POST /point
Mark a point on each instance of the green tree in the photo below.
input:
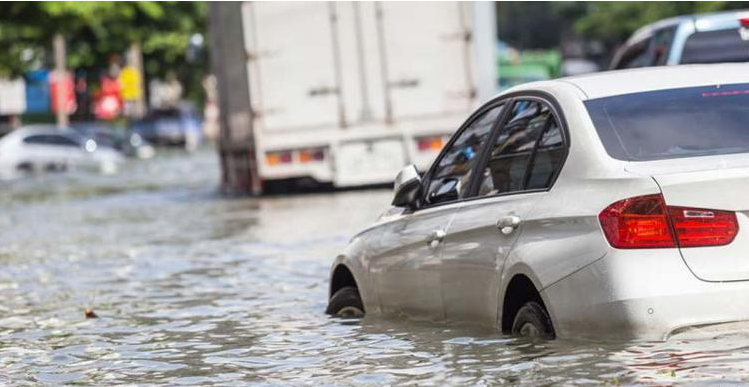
(95, 31)
(612, 22)
(534, 25)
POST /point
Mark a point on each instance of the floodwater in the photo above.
(191, 288)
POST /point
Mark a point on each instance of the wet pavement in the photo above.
(195, 289)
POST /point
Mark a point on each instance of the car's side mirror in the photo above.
(407, 187)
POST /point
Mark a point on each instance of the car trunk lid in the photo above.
(713, 189)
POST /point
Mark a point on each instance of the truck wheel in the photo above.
(533, 321)
(346, 302)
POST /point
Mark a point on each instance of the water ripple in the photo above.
(193, 289)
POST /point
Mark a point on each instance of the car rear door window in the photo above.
(526, 153)
(663, 39)
(36, 140)
(548, 156)
(450, 177)
(636, 55)
(50, 139)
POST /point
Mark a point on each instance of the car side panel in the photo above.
(474, 254)
(407, 268)
(561, 234)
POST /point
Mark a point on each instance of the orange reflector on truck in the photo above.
(275, 158)
(302, 156)
(309, 155)
(429, 143)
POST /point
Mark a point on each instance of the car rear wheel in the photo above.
(533, 321)
(346, 302)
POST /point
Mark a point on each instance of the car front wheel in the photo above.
(533, 321)
(346, 302)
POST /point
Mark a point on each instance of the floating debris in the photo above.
(89, 313)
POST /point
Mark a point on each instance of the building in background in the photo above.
(12, 103)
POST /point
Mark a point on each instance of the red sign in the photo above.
(66, 88)
(108, 103)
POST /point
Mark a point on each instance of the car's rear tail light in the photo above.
(647, 222)
(744, 21)
(429, 143)
(275, 158)
(635, 223)
(699, 227)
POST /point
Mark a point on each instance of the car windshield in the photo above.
(674, 123)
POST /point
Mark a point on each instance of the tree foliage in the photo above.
(612, 22)
(543, 24)
(94, 31)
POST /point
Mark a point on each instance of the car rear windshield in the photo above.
(716, 46)
(673, 123)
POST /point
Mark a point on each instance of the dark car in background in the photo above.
(131, 144)
(706, 38)
(174, 126)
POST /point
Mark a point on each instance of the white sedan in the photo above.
(606, 205)
(44, 148)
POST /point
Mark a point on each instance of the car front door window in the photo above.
(450, 178)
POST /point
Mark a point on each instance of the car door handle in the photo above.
(508, 224)
(435, 237)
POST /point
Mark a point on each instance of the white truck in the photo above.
(346, 93)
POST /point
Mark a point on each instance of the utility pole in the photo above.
(60, 74)
(229, 60)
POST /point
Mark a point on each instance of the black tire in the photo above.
(533, 321)
(346, 302)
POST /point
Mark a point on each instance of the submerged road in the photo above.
(191, 288)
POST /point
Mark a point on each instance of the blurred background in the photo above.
(130, 76)
(186, 171)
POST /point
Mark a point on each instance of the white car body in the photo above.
(451, 262)
(43, 148)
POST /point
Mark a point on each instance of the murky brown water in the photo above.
(195, 289)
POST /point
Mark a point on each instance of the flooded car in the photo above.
(45, 148)
(601, 206)
(129, 143)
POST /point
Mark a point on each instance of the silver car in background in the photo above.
(705, 38)
(611, 205)
(46, 148)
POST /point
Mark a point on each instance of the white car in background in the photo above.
(45, 148)
(606, 205)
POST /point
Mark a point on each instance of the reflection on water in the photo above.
(195, 289)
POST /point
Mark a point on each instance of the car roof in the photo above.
(618, 82)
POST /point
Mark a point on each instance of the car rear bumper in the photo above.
(641, 294)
